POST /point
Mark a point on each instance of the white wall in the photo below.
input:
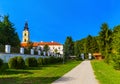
(6, 57)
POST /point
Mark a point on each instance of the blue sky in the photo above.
(53, 20)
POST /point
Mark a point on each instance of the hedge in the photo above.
(16, 63)
(1, 63)
(31, 62)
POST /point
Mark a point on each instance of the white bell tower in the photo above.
(26, 34)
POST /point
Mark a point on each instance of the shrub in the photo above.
(40, 61)
(20, 63)
(31, 62)
(46, 61)
(3, 67)
(52, 60)
(16, 63)
(59, 59)
(117, 62)
(1, 63)
(12, 63)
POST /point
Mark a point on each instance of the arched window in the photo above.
(25, 34)
(24, 40)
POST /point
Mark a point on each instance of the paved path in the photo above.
(82, 74)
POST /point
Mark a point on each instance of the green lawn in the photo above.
(37, 75)
(105, 73)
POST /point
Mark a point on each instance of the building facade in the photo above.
(54, 47)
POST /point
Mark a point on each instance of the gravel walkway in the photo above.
(82, 74)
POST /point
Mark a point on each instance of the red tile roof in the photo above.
(40, 43)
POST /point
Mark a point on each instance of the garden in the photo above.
(34, 71)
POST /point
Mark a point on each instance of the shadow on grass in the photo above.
(13, 71)
(33, 68)
(7, 80)
(50, 66)
(40, 67)
(31, 80)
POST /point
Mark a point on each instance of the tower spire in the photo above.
(26, 33)
(26, 26)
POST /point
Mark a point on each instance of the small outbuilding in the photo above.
(97, 56)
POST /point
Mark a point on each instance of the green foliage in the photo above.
(12, 63)
(8, 34)
(3, 67)
(117, 62)
(15, 49)
(68, 48)
(78, 58)
(105, 73)
(46, 61)
(95, 45)
(105, 38)
(50, 60)
(16, 63)
(40, 61)
(2, 48)
(46, 48)
(116, 40)
(87, 45)
(109, 58)
(56, 51)
(53, 60)
(1, 63)
(37, 75)
(20, 63)
(27, 51)
(31, 62)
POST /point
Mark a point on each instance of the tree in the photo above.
(29, 45)
(8, 34)
(68, 48)
(95, 45)
(56, 51)
(105, 39)
(46, 48)
(79, 47)
(116, 40)
(89, 46)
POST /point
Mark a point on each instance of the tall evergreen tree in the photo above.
(95, 45)
(68, 48)
(77, 48)
(8, 34)
(105, 40)
(89, 46)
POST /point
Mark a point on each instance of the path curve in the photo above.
(82, 74)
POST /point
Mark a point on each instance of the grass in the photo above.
(37, 75)
(105, 73)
